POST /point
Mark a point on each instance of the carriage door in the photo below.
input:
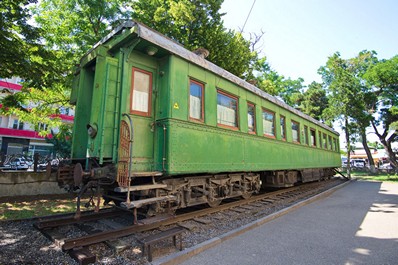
(142, 112)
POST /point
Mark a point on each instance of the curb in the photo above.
(187, 253)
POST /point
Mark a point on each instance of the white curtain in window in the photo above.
(268, 127)
(140, 101)
(250, 122)
(195, 107)
(141, 88)
(226, 116)
(312, 139)
(295, 135)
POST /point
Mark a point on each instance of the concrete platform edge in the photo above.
(185, 254)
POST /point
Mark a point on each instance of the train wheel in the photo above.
(246, 195)
(214, 203)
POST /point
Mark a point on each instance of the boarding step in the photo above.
(141, 187)
(146, 174)
(143, 202)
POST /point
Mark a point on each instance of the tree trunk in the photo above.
(391, 155)
(347, 138)
(387, 145)
(372, 167)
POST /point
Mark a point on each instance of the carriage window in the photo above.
(313, 137)
(335, 144)
(268, 123)
(141, 92)
(330, 142)
(227, 110)
(251, 118)
(306, 134)
(283, 127)
(296, 131)
(196, 100)
(320, 139)
(324, 141)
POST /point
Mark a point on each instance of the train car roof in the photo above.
(175, 48)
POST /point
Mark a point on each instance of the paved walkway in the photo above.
(357, 224)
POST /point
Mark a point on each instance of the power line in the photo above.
(248, 15)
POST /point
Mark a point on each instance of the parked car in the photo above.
(18, 163)
(385, 166)
(359, 163)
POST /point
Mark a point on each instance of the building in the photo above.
(19, 138)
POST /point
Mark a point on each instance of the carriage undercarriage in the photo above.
(152, 193)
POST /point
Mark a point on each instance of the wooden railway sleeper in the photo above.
(149, 240)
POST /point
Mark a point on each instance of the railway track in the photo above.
(254, 207)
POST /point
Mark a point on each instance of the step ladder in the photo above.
(151, 174)
(134, 205)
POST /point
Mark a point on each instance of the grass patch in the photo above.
(381, 176)
(34, 207)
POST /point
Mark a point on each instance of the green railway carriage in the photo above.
(158, 123)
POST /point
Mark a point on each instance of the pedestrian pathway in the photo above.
(357, 224)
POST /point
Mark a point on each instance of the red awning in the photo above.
(10, 85)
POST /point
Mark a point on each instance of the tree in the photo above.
(61, 141)
(383, 77)
(198, 24)
(268, 80)
(21, 50)
(74, 26)
(66, 30)
(343, 88)
(314, 101)
(23, 54)
(357, 96)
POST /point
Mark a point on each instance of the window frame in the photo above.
(313, 130)
(137, 112)
(273, 123)
(18, 125)
(320, 139)
(283, 137)
(298, 132)
(15, 124)
(254, 118)
(336, 144)
(306, 139)
(236, 112)
(202, 113)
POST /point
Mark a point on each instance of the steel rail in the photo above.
(126, 231)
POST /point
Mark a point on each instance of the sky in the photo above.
(300, 35)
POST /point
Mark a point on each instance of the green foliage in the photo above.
(74, 26)
(198, 24)
(348, 96)
(38, 107)
(21, 50)
(61, 140)
(383, 77)
(314, 101)
(45, 55)
(290, 91)
(357, 89)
